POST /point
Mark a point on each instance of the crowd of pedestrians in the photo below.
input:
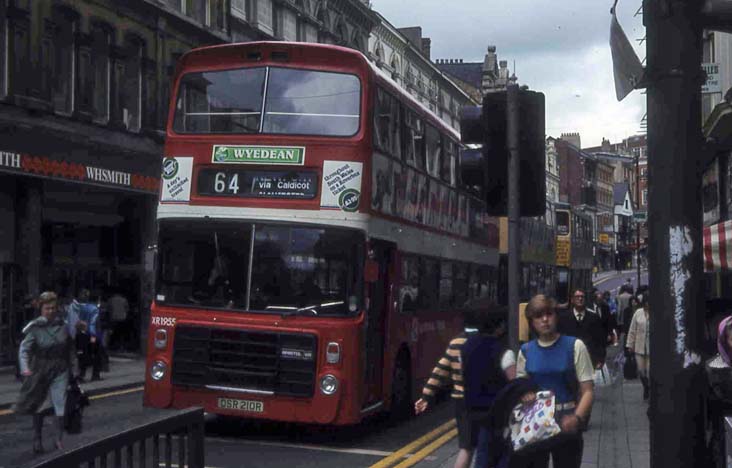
(566, 355)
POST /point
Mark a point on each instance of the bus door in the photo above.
(375, 323)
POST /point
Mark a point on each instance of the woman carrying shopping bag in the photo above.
(638, 343)
(561, 364)
(47, 357)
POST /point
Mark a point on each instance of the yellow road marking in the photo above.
(5, 412)
(427, 449)
(118, 392)
(409, 448)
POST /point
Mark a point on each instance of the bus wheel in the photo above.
(401, 390)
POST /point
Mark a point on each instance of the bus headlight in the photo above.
(158, 369)
(161, 338)
(328, 384)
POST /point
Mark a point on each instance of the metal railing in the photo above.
(141, 447)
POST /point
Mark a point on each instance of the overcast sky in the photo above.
(561, 48)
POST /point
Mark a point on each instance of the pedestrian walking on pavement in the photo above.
(449, 373)
(584, 324)
(638, 343)
(91, 340)
(47, 359)
(562, 364)
(623, 301)
(633, 305)
(719, 376)
(119, 311)
(487, 366)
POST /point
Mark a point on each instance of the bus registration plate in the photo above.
(250, 406)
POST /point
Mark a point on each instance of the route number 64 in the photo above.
(220, 183)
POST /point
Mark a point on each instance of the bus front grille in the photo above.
(264, 362)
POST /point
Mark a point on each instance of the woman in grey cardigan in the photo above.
(47, 357)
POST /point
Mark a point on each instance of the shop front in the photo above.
(75, 216)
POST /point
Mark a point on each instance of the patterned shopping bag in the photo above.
(534, 421)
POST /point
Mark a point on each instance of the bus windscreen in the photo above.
(294, 101)
(308, 270)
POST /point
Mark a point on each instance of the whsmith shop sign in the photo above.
(41, 166)
(280, 155)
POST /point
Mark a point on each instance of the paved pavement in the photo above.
(618, 435)
(124, 373)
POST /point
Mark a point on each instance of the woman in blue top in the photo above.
(561, 364)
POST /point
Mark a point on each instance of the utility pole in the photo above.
(673, 78)
(514, 211)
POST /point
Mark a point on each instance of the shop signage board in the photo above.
(713, 83)
(42, 166)
(563, 252)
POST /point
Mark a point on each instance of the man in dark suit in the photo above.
(581, 322)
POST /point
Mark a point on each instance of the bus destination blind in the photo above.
(246, 183)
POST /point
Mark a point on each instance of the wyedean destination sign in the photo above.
(280, 155)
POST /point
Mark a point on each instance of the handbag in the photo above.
(533, 422)
(76, 401)
(630, 368)
(602, 377)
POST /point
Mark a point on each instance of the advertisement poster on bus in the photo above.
(382, 190)
(341, 185)
(177, 173)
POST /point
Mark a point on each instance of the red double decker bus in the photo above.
(315, 245)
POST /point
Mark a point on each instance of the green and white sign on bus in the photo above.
(273, 155)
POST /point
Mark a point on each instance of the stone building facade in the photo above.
(84, 89)
(552, 179)
(405, 56)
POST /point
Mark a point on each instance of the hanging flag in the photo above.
(718, 247)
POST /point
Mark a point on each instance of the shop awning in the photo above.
(718, 247)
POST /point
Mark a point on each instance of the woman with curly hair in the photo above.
(47, 358)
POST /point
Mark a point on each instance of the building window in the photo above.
(644, 200)
(101, 70)
(240, 9)
(215, 16)
(131, 102)
(5, 51)
(64, 64)
(20, 77)
(264, 15)
(434, 151)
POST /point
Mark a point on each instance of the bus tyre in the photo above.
(401, 390)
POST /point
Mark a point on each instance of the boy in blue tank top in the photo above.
(559, 363)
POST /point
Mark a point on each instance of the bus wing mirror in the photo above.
(371, 271)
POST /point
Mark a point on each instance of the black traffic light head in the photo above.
(494, 156)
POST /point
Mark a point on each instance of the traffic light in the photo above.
(487, 167)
